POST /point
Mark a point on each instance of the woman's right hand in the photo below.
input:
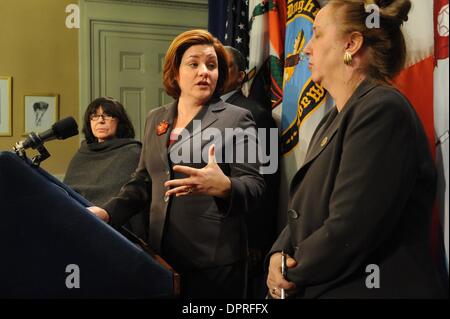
(209, 180)
(275, 279)
(100, 213)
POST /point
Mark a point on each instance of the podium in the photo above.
(51, 246)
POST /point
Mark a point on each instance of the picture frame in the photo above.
(41, 111)
(5, 106)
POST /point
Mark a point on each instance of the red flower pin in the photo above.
(162, 128)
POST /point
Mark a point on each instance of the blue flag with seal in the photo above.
(301, 96)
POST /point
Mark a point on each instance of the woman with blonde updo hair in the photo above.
(360, 206)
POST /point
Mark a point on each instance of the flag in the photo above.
(277, 29)
(416, 81)
(441, 105)
(440, 21)
(304, 102)
(236, 26)
(302, 97)
(216, 18)
(266, 25)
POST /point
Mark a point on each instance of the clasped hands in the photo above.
(275, 278)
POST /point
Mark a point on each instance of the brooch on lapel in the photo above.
(162, 128)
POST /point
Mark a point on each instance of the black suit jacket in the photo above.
(261, 116)
(261, 223)
(363, 197)
(191, 232)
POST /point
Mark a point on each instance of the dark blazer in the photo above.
(363, 196)
(262, 223)
(261, 116)
(191, 232)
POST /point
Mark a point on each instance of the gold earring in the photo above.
(348, 58)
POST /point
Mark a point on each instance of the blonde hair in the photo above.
(385, 45)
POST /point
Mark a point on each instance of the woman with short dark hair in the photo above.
(107, 157)
(114, 111)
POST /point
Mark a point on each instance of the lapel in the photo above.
(207, 116)
(322, 139)
(234, 97)
(161, 140)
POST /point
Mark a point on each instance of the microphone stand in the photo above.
(43, 155)
(37, 159)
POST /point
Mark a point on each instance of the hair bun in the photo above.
(395, 11)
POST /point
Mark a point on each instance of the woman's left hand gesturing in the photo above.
(209, 180)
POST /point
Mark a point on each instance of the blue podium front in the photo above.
(50, 244)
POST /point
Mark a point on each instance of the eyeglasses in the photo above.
(105, 117)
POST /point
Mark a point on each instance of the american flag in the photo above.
(237, 30)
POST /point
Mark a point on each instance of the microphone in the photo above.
(61, 130)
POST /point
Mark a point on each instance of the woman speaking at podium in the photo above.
(196, 208)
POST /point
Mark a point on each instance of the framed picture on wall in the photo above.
(40, 112)
(5, 106)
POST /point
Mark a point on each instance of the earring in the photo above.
(348, 58)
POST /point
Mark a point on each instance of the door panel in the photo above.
(122, 49)
(127, 63)
(133, 73)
